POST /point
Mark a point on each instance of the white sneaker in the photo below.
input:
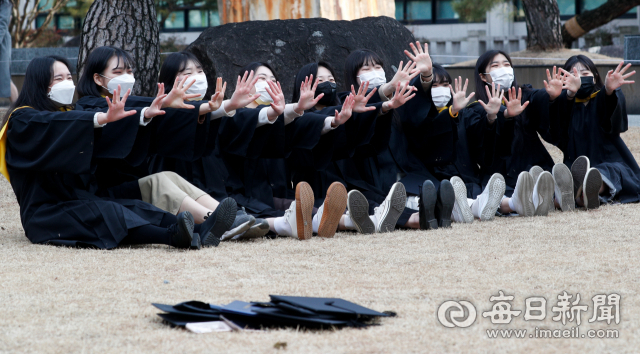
(388, 213)
(535, 172)
(564, 187)
(579, 170)
(543, 194)
(290, 218)
(522, 195)
(358, 212)
(489, 200)
(461, 211)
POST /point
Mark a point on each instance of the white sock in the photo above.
(315, 223)
(470, 202)
(511, 204)
(475, 206)
(374, 219)
(282, 226)
(348, 223)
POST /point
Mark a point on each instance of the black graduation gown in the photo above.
(246, 149)
(471, 126)
(49, 159)
(513, 144)
(593, 130)
(179, 134)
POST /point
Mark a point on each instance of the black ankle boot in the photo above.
(182, 231)
(426, 206)
(219, 222)
(444, 204)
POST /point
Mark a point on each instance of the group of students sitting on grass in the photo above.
(187, 170)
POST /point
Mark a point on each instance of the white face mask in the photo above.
(261, 86)
(62, 93)
(126, 81)
(200, 86)
(440, 96)
(503, 77)
(376, 78)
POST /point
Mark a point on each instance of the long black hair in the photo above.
(173, 64)
(484, 60)
(96, 64)
(307, 70)
(36, 84)
(587, 63)
(254, 66)
(356, 60)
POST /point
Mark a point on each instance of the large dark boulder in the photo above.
(287, 45)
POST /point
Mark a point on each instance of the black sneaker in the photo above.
(591, 189)
(426, 206)
(444, 203)
(241, 224)
(220, 221)
(182, 231)
(195, 242)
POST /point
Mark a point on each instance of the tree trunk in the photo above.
(588, 20)
(128, 24)
(544, 31)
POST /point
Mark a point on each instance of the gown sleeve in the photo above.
(612, 111)
(50, 141)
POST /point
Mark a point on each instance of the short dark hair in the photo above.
(96, 63)
(481, 64)
(36, 84)
(356, 60)
(254, 66)
(587, 63)
(307, 70)
(173, 64)
(440, 75)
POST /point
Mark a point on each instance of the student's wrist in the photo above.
(102, 118)
(571, 95)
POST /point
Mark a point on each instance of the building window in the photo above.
(175, 20)
(567, 7)
(419, 10)
(445, 10)
(66, 22)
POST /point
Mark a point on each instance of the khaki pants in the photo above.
(167, 190)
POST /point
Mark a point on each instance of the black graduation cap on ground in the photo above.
(282, 311)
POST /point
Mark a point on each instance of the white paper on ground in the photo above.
(207, 327)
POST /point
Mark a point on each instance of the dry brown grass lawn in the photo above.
(62, 300)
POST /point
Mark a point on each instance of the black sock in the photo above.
(148, 234)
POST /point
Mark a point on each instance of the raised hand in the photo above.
(177, 96)
(345, 112)
(404, 74)
(361, 98)
(275, 91)
(495, 97)
(616, 78)
(155, 109)
(514, 103)
(421, 58)
(218, 97)
(242, 95)
(460, 98)
(307, 93)
(553, 84)
(402, 95)
(116, 108)
(571, 82)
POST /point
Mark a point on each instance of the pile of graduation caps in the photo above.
(282, 311)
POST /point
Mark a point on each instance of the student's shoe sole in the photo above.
(545, 190)
(535, 172)
(496, 187)
(398, 201)
(359, 212)
(447, 198)
(428, 198)
(195, 242)
(579, 170)
(225, 216)
(591, 189)
(564, 187)
(185, 231)
(335, 203)
(460, 191)
(229, 235)
(258, 230)
(304, 208)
